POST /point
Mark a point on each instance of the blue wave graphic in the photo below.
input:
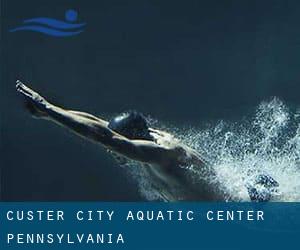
(47, 31)
(53, 27)
(53, 23)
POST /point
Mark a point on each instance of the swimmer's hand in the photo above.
(35, 103)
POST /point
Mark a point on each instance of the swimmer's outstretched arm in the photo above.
(95, 129)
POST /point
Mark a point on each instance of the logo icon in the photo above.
(53, 27)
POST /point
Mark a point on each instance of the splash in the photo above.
(268, 142)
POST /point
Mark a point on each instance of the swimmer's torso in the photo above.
(178, 179)
(180, 183)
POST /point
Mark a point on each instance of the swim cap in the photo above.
(132, 125)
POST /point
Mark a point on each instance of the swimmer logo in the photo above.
(53, 27)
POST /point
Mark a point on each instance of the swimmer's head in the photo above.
(132, 125)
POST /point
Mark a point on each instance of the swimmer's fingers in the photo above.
(154, 135)
(154, 130)
(161, 133)
(23, 89)
(28, 93)
(34, 102)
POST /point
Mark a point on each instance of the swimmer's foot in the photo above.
(264, 188)
(34, 103)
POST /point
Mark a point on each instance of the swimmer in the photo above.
(129, 136)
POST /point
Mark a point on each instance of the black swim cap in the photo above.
(132, 125)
